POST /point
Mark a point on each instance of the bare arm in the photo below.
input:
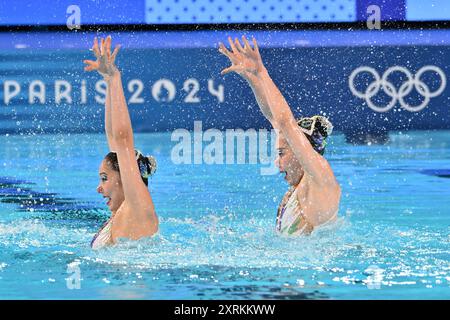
(247, 62)
(312, 162)
(120, 138)
(258, 89)
(101, 66)
(249, 69)
(136, 193)
(108, 126)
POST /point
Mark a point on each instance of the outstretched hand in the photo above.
(245, 60)
(105, 60)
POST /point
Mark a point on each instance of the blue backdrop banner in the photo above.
(173, 79)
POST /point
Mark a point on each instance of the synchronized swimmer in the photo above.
(124, 171)
(314, 194)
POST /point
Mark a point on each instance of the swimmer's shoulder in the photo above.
(131, 224)
(319, 203)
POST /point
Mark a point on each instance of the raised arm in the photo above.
(120, 137)
(108, 125)
(136, 193)
(247, 62)
(96, 65)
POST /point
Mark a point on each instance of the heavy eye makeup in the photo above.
(103, 177)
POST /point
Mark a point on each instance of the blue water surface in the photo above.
(217, 238)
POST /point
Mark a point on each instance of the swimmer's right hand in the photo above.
(245, 60)
(105, 60)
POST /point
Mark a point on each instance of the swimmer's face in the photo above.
(287, 163)
(110, 186)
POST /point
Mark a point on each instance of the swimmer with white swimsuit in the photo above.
(314, 195)
(124, 172)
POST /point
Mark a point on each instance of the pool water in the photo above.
(217, 238)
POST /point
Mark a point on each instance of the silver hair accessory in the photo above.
(145, 169)
(307, 125)
(153, 165)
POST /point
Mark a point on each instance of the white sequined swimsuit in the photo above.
(288, 220)
(103, 237)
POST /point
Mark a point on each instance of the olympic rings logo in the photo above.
(397, 95)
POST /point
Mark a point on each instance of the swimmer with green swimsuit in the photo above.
(314, 194)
